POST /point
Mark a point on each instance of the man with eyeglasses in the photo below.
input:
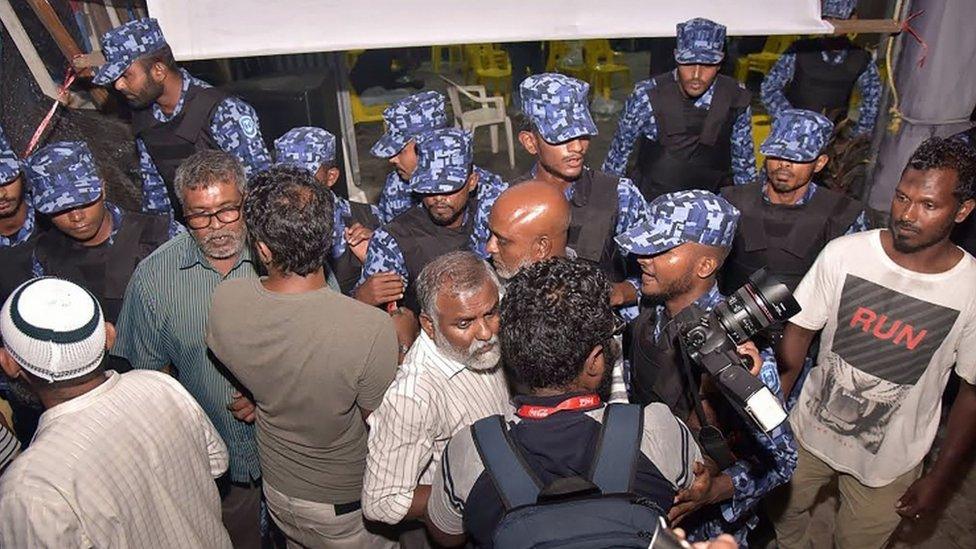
(164, 319)
(92, 242)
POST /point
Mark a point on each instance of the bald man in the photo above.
(529, 223)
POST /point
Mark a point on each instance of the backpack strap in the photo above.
(615, 463)
(514, 481)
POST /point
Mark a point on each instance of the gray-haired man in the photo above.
(449, 379)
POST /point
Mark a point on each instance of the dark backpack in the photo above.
(575, 512)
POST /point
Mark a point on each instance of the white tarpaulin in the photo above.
(204, 29)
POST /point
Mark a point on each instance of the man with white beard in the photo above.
(449, 379)
(529, 223)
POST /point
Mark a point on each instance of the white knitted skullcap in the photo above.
(53, 328)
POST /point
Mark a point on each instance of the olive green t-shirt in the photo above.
(312, 361)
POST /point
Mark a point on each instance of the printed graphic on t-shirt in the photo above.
(883, 344)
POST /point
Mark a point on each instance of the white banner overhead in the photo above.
(206, 29)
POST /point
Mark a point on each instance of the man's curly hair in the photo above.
(938, 153)
(554, 313)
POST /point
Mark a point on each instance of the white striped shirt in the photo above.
(9, 447)
(130, 463)
(431, 398)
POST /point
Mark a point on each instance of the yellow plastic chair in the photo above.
(762, 62)
(491, 68)
(601, 63)
(455, 55)
(361, 113)
(558, 50)
(760, 131)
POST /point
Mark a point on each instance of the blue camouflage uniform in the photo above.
(801, 136)
(765, 460)
(699, 41)
(234, 124)
(10, 169)
(444, 161)
(311, 148)
(404, 120)
(773, 94)
(558, 108)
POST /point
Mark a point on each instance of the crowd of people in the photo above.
(253, 359)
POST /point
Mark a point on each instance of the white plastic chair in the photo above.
(491, 113)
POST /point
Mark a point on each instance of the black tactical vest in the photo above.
(105, 269)
(786, 239)
(819, 86)
(169, 143)
(422, 241)
(16, 264)
(347, 267)
(655, 368)
(694, 146)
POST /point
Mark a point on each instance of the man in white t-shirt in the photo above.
(897, 307)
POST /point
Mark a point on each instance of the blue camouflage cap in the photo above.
(408, 117)
(122, 45)
(837, 9)
(306, 147)
(9, 161)
(558, 106)
(700, 42)
(797, 135)
(63, 176)
(443, 161)
(680, 217)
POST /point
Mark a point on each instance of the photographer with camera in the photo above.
(680, 252)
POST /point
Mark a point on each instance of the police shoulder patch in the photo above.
(249, 126)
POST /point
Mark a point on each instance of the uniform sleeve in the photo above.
(668, 443)
(489, 191)
(382, 255)
(456, 474)
(38, 518)
(743, 151)
(400, 446)
(154, 196)
(771, 465)
(815, 293)
(859, 225)
(36, 268)
(139, 329)
(235, 129)
(636, 119)
(631, 207)
(395, 198)
(771, 93)
(869, 83)
(379, 367)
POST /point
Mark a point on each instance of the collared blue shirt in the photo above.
(163, 322)
(384, 254)
(859, 225)
(395, 198)
(773, 91)
(25, 231)
(765, 461)
(638, 119)
(234, 128)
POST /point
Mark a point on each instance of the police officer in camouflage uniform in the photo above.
(680, 250)
(787, 218)
(556, 128)
(694, 125)
(175, 113)
(17, 234)
(404, 120)
(820, 74)
(453, 215)
(314, 149)
(93, 242)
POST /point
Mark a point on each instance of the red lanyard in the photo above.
(580, 402)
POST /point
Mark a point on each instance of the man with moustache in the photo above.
(453, 215)
(897, 310)
(164, 318)
(93, 242)
(556, 128)
(528, 223)
(450, 379)
(17, 234)
(680, 252)
(787, 218)
(175, 113)
(694, 124)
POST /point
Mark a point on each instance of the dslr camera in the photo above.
(711, 339)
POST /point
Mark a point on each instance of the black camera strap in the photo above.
(710, 437)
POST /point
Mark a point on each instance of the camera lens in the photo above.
(760, 302)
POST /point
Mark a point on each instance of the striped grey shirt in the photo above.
(431, 398)
(164, 320)
(9, 447)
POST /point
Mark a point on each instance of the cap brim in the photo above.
(777, 150)
(388, 145)
(52, 207)
(448, 183)
(698, 57)
(8, 172)
(583, 128)
(109, 72)
(632, 241)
